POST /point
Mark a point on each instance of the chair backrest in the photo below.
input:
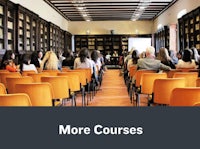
(88, 73)
(171, 73)
(190, 77)
(132, 70)
(2, 89)
(19, 99)
(25, 73)
(187, 96)
(3, 70)
(196, 104)
(52, 72)
(73, 80)
(59, 84)
(138, 76)
(147, 81)
(162, 89)
(11, 82)
(41, 94)
(9, 75)
(37, 77)
(82, 74)
(198, 82)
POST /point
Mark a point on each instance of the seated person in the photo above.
(10, 66)
(186, 61)
(150, 63)
(26, 64)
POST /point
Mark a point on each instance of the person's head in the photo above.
(83, 54)
(150, 51)
(27, 60)
(135, 56)
(94, 55)
(187, 55)
(40, 54)
(163, 54)
(12, 56)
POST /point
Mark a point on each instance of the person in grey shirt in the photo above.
(150, 63)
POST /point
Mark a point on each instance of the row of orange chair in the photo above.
(76, 80)
(148, 82)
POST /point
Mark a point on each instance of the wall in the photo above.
(104, 27)
(170, 15)
(44, 11)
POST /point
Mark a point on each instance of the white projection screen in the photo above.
(139, 43)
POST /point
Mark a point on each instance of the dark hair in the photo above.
(6, 57)
(94, 55)
(135, 56)
(187, 55)
(83, 54)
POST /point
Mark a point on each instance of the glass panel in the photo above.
(1, 22)
(9, 36)
(1, 33)
(1, 9)
(21, 16)
(10, 25)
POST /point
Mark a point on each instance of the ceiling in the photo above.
(110, 10)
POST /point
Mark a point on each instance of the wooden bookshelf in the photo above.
(189, 30)
(161, 38)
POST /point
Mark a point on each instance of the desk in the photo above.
(114, 60)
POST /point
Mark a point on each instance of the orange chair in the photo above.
(3, 70)
(135, 89)
(25, 73)
(74, 84)
(60, 87)
(11, 82)
(83, 81)
(198, 82)
(41, 94)
(162, 89)
(9, 75)
(37, 77)
(132, 72)
(171, 73)
(52, 72)
(2, 89)
(197, 104)
(187, 96)
(190, 77)
(147, 82)
(19, 99)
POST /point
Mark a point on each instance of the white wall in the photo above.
(170, 15)
(104, 27)
(44, 11)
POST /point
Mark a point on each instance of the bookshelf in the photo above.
(189, 30)
(162, 38)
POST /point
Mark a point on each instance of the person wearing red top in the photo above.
(11, 67)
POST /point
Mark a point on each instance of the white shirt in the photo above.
(182, 64)
(29, 67)
(86, 64)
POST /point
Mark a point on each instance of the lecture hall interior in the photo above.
(100, 53)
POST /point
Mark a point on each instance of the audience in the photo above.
(150, 62)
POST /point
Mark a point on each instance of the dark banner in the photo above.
(99, 128)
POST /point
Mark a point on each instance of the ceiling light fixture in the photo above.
(80, 6)
(143, 4)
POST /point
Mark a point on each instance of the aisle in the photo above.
(113, 91)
